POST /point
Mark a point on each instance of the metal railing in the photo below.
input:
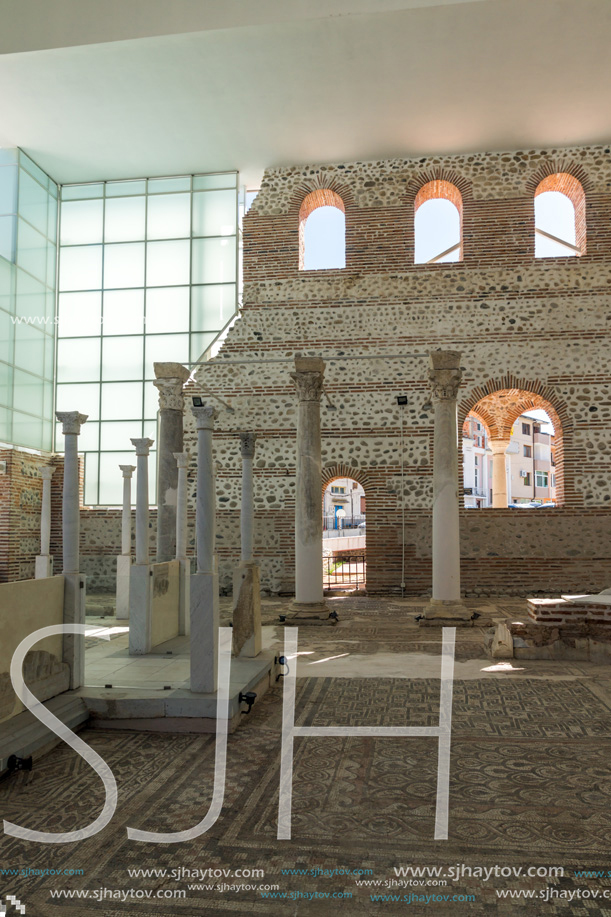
(344, 571)
(331, 522)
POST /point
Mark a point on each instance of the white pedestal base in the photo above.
(124, 566)
(246, 610)
(204, 631)
(140, 610)
(43, 566)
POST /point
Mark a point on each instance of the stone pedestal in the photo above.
(43, 565)
(309, 605)
(499, 472)
(247, 610)
(140, 610)
(124, 560)
(170, 379)
(445, 607)
(74, 582)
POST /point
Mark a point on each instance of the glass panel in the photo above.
(151, 403)
(52, 220)
(49, 357)
(214, 213)
(199, 344)
(33, 202)
(80, 397)
(31, 250)
(118, 435)
(167, 309)
(89, 438)
(210, 182)
(47, 400)
(80, 268)
(6, 384)
(26, 163)
(120, 188)
(78, 360)
(51, 265)
(31, 298)
(8, 189)
(8, 274)
(6, 426)
(122, 400)
(159, 185)
(79, 314)
(124, 312)
(153, 477)
(7, 336)
(160, 348)
(29, 348)
(213, 260)
(124, 265)
(124, 220)
(77, 192)
(8, 155)
(169, 216)
(122, 358)
(47, 435)
(111, 478)
(8, 235)
(167, 263)
(81, 222)
(27, 431)
(91, 478)
(28, 393)
(212, 306)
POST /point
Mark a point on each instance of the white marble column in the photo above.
(170, 379)
(204, 583)
(140, 612)
(246, 634)
(44, 561)
(499, 472)
(446, 605)
(74, 582)
(309, 602)
(182, 462)
(124, 559)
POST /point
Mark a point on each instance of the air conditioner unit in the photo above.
(524, 474)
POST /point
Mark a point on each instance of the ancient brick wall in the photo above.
(541, 325)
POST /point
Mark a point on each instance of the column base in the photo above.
(246, 635)
(310, 613)
(43, 566)
(124, 566)
(446, 613)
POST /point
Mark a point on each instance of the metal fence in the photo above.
(331, 522)
(344, 571)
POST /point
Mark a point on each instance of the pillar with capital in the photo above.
(44, 562)
(309, 605)
(499, 472)
(74, 582)
(246, 577)
(184, 607)
(170, 379)
(205, 582)
(124, 559)
(140, 609)
(445, 606)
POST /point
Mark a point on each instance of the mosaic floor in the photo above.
(530, 787)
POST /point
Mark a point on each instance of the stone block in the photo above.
(247, 610)
(124, 566)
(204, 631)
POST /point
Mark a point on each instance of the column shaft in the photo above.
(499, 473)
(170, 378)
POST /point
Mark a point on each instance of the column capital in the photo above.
(171, 371)
(127, 470)
(170, 393)
(445, 374)
(47, 472)
(498, 446)
(308, 385)
(182, 459)
(247, 444)
(142, 445)
(71, 421)
(204, 416)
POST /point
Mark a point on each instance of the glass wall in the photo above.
(147, 273)
(28, 252)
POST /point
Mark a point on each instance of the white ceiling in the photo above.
(236, 84)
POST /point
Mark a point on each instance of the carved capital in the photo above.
(498, 446)
(127, 470)
(204, 416)
(247, 444)
(71, 421)
(47, 472)
(182, 459)
(142, 445)
(170, 393)
(444, 384)
(171, 371)
(308, 385)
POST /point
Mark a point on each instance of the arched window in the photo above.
(560, 217)
(438, 223)
(322, 231)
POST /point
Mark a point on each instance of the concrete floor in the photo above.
(530, 786)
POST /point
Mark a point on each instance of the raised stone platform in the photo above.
(24, 735)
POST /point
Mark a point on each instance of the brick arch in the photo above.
(441, 177)
(332, 472)
(498, 404)
(442, 189)
(318, 197)
(567, 184)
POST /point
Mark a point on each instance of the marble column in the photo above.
(140, 610)
(246, 577)
(170, 379)
(124, 559)
(204, 583)
(44, 562)
(499, 472)
(74, 582)
(182, 463)
(309, 605)
(445, 606)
